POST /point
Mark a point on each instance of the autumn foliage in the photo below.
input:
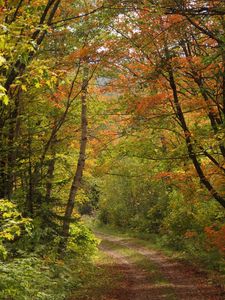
(116, 109)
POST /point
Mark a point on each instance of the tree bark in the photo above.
(80, 165)
(29, 198)
(50, 176)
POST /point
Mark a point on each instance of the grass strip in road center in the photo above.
(152, 273)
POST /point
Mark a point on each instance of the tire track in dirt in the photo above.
(187, 282)
(135, 283)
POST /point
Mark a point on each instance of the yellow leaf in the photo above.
(24, 88)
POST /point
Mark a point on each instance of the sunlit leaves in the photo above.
(3, 96)
(11, 224)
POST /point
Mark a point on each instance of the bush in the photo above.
(47, 278)
(12, 225)
(31, 270)
(36, 279)
(82, 242)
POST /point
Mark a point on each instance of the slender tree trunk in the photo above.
(188, 140)
(11, 159)
(29, 198)
(3, 152)
(2, 179)
(213, 120)
(2, 167)
(50, 176)
(80, 165)
(211, 116)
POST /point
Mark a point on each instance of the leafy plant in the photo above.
(12, 224)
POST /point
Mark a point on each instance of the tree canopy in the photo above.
(114, 108)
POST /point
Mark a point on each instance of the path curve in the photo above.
(186, 282)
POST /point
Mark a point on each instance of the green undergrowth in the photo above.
(34, 278)
(44, 278)
(30, 267)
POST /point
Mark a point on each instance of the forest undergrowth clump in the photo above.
(30, 267)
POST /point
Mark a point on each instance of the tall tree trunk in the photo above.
(80, 165)
(2, 179)
(188, 140)
(29, 196)
(50, 176)
(2, 166)
(12, 131)
(3, 152)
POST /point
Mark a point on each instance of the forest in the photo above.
(112, 149)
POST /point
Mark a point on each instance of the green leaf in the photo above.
(24, 88)
(3, 97)
(2, 60)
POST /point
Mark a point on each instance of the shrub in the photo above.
(37, 279)
(12, 225)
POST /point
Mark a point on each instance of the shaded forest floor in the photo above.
(126, 270)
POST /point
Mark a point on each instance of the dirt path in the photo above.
(135, 283)
(181, 282)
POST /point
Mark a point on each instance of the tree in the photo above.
(162, 55)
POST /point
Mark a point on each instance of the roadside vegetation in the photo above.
(169, 219)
